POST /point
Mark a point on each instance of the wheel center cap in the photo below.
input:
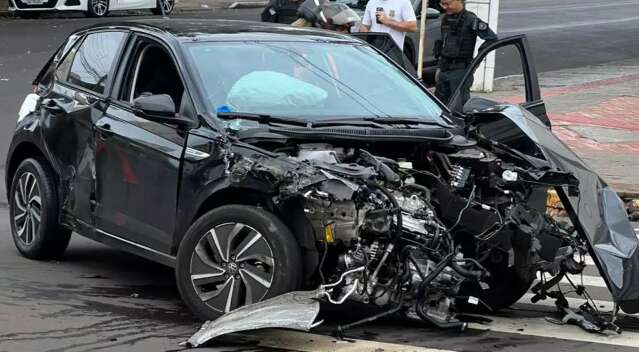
(232, 268)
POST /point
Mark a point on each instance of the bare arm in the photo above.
(364, 28)
(402, 26)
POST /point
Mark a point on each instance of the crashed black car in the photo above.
(258, 160)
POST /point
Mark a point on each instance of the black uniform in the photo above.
(455, 51)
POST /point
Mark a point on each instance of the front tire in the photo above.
(34, 212)
(97, 8)
(236, 255)
(168, 6)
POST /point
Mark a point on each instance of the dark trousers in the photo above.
(448, 82)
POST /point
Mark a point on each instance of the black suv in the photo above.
(256, 160)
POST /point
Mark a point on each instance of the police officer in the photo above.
(460, 29)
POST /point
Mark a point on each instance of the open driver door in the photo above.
(531, 101)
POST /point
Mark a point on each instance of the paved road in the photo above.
(101, 299)
(572, 33)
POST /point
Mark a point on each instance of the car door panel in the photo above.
(137, 168)
(533, 101)
(132, 4)
(69, 137)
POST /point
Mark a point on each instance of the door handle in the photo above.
(84, 99)
(104, 130)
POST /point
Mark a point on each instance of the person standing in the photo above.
(395, 17)
(460, 29)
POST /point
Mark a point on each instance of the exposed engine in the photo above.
(379, 225)
(421, 232)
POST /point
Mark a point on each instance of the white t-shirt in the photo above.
(398, 10)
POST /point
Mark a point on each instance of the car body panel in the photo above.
(76, 5)
(137, 173)
(68, 137)
(151, 180)
(595, 209)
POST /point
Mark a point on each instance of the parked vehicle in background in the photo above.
(285, 11)
(91, 8)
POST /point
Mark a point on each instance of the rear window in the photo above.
(93, 61)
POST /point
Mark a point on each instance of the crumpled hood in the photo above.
(597, 211)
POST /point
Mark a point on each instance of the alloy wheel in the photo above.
(27, 208)
(100, 7)
(232, 265)
(167, 5)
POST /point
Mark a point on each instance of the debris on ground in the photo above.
(633, 209)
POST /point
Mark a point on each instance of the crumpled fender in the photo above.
(596, 210)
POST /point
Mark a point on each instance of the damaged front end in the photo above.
(595, 210)
(424, 229)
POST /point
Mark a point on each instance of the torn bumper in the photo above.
(294, 310)
(596, 209)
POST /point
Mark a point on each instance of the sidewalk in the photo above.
(595, 110)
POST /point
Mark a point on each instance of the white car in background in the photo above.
(91, 8)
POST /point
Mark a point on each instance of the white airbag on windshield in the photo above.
(270, 92)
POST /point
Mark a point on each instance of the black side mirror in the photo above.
(160, 108)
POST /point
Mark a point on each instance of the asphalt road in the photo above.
(571, 33)
(98, 298)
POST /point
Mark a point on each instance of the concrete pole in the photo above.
(488, 11)
(422, 38)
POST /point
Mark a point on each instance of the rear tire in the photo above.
(168, 5)
(236, 255)
(97, 8)
(34, 212)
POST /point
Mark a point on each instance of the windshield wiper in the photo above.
(263, 118)
(358, 121)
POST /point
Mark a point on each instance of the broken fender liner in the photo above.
(294, 310)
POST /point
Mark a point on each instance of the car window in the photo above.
(93, 60)
(154, 73)
(62, 71)
(308, 80)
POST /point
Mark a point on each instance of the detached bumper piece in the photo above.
(294, 310)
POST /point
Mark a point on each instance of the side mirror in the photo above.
(160, 108)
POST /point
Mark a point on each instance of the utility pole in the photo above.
(422, 38)
(488, 11)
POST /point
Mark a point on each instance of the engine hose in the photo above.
(469, 274)
(433, 274)
(398, 231)
(404, 255)
(474, 261)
